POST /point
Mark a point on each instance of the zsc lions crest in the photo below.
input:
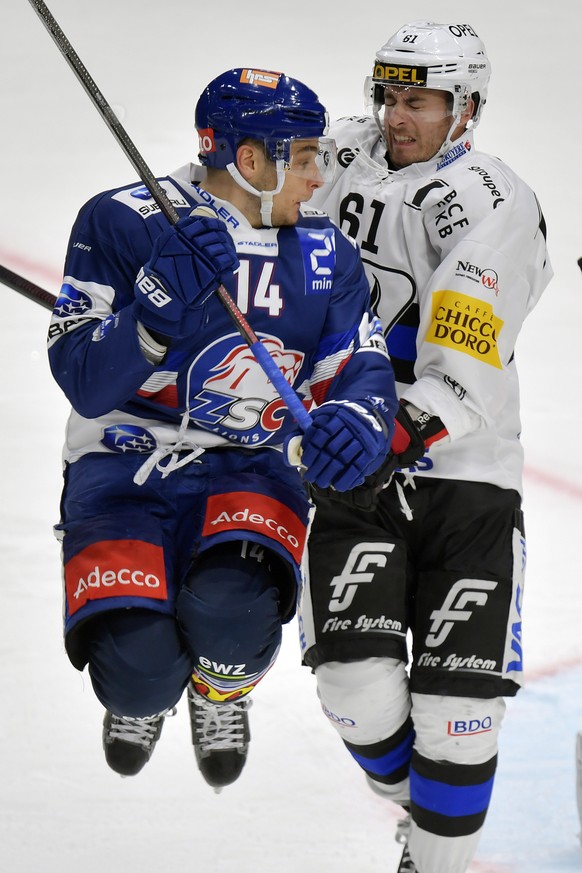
(232, 396)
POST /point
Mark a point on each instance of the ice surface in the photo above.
(300, 804)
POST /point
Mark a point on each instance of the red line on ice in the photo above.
(30, 270)
(556, 483)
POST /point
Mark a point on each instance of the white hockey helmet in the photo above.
(424, 54)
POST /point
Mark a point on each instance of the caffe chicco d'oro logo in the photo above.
(466, 324)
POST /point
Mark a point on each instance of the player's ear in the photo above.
(248, 158)
(469, 111)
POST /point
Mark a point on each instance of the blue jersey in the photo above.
(302, 288)
(130, 529)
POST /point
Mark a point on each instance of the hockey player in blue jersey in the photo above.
(182, 522)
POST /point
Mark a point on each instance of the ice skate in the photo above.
(129, 743)
(406, 864)
(221, 736)
(402, 831)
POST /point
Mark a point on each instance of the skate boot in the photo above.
(129, 743)
(402, 830)
(221, 736)
(406, 864)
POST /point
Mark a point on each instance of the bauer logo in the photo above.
(124, 438)
(363, 560)
(153, 289)
(465, 324)
(115, 568)
(386, 74)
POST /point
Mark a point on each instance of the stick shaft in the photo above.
(105, 110)
(27, 288)
(267, 363)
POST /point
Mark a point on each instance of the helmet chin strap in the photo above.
(448, 142)
(266, 197)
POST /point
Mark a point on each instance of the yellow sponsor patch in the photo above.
(388, 74)
(465, 324)
(218, 695)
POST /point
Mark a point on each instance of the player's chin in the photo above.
(404, 154)
(291, 215)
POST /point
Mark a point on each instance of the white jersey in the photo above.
(455, 252)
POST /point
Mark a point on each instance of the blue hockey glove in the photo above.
(188, 262)
(411, 438)
(345, 443)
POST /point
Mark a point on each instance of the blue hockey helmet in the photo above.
(259, 104)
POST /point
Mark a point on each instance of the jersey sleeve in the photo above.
(352, 362)
(93, 345)
(489, 234)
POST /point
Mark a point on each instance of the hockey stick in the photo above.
(27, 288)
(48, 300)
(268, 365)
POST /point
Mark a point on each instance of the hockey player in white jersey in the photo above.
(454, 245)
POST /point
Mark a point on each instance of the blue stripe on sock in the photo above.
(451, 800)
(391, 761)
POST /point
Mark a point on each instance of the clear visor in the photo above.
(313, 159)
(426, 104)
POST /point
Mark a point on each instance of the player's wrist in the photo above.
(152, 344)
(430, 427)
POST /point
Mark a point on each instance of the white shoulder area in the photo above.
(354, 133)
(488, 179)
(354, 136)
(187, 174)
(458, 197)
